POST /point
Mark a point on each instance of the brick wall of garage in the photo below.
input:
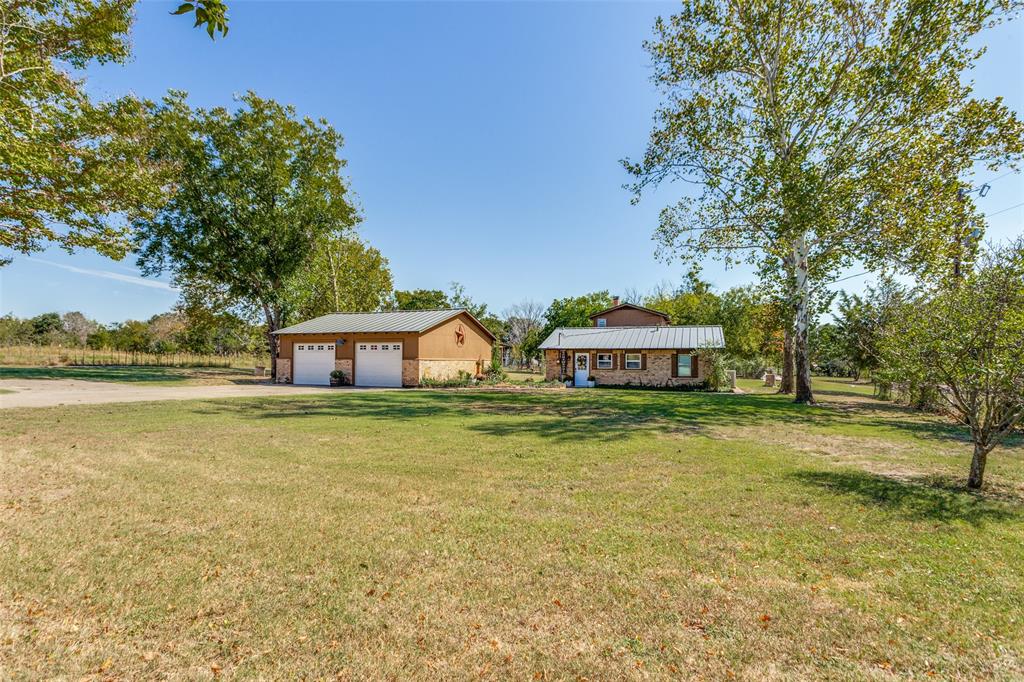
(437, 352)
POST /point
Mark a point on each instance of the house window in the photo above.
(632, 360)
(684, 365)
(604, 360)
(362, 346)
(384, 346)
(302, 347)
(601, 322)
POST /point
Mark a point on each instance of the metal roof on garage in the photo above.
(634, 338)
(390, 322)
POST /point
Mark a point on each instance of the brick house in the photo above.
(383, 349)
(630, 345)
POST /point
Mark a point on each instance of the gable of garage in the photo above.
(459, 338)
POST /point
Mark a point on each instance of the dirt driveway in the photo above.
(50, 392)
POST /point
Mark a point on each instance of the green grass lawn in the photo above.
(177, 376)
(525, 377)
(534, 535)
(826, 386)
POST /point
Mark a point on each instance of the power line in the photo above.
(843, 279)
(1000, 177)
(1008, 208)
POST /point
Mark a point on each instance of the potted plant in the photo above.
(591, 381)
(339, 378)
(568, 381)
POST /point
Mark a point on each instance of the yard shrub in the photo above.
(495, 374)
(717, 379)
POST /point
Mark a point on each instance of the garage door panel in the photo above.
(313, 362)
(378, 364)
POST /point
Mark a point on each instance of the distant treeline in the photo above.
(167, 333)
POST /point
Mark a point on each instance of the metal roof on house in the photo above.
(391, 322)
(634, 338)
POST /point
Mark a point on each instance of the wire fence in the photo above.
(51, 356)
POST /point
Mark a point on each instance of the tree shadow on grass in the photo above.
(608, 414)
(932, 498)
(552, 415)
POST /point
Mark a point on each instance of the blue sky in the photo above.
(482, 139)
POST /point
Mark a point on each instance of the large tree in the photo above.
(693, 302)
(819, 133)
(256, 191)
(421, 299)
(523, 322)
(966, 340)
(343, 274)
(864, 319)
(575, 311)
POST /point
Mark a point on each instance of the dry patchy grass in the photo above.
(546, 535)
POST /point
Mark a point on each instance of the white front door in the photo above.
(379, 364)
(314, 363)
(582, 369)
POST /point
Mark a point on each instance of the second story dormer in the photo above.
(628, 315)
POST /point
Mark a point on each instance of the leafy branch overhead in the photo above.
(73, 172)
(209, 13)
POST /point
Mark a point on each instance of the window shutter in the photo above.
(615, 360)
(694, 367)
(593, 360)
(675, 365)
(643, 361)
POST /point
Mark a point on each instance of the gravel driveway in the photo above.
(50, 392)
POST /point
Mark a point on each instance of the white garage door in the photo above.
(314, 363)
(378, 364)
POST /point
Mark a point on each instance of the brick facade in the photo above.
(448, 369)
(284, 371)
(410, 372)
(658, 371)
(345, 365)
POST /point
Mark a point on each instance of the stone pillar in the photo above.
(284, 371)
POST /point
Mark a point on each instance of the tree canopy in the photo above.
(966, 340)
(344, 274)
(421, 299)
(255, 192)
(819, 133)
(72, 170)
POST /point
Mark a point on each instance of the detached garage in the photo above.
(383, 349)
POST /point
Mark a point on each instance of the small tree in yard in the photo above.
(967, 340)
(255, 192)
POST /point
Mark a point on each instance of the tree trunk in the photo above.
(786, 382)
(977, 476)
(803, 323)
(273, 324)
(334, 280)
